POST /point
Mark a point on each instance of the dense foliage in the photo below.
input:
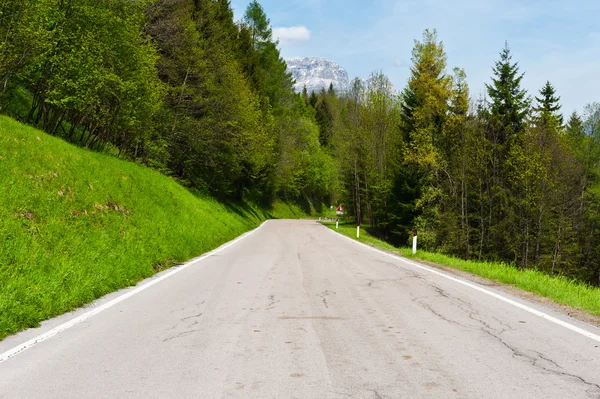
(175, 84)
(502, 178)
(180, 86)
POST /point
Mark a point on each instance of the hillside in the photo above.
(75, 225)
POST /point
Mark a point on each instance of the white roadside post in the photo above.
(414, 242)
(339, 211)
(358, 231)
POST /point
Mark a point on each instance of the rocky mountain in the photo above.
(317, 73)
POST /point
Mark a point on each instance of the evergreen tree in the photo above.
(219, 132)
(313, 99)
(425, 103)
(249, 58)
(575, 127)
(331, 90)
(548, 106)
(509, 102)
(260, 26)
(278, 82)
(325, 109)
(506, 189)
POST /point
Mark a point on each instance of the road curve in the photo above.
(297, 311)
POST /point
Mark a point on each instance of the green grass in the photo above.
(75, 225)
(289, 210)
(559, 289)
(286, 210)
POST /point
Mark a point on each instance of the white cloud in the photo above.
(293, 34)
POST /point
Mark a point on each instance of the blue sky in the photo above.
(552, 40)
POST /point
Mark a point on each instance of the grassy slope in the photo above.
(287, 210)
(75, 225)
(558, 289)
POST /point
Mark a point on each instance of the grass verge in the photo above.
(556, 288)
(75, 225)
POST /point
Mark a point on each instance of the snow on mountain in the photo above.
(317, 73)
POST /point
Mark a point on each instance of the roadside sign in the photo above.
(339, 210)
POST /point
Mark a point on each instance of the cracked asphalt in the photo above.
(295, 311)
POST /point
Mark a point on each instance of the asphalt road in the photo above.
(296, 311)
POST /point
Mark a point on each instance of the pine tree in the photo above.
(509, 102)
(260, 26)
(249, 59)
(425, 101)
(313, 99)
(305, 94)
(324, 118)
(331, 90)
(548, 107)
(575, 127)
(278, 82)
(425, 106)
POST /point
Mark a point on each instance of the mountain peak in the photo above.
(317, 73)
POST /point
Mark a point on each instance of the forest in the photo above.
(181, 87)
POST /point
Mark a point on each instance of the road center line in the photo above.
(476, 287)
(49, 334)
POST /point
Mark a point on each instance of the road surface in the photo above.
(296, 311)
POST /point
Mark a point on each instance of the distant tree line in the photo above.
(180, 86)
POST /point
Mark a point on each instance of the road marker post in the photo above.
(339, 211)
(414, 242)
(358, 231)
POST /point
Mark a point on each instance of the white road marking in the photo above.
(40, 338)
(519, 305)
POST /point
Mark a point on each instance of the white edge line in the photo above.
(519, 305)
(49, 334)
